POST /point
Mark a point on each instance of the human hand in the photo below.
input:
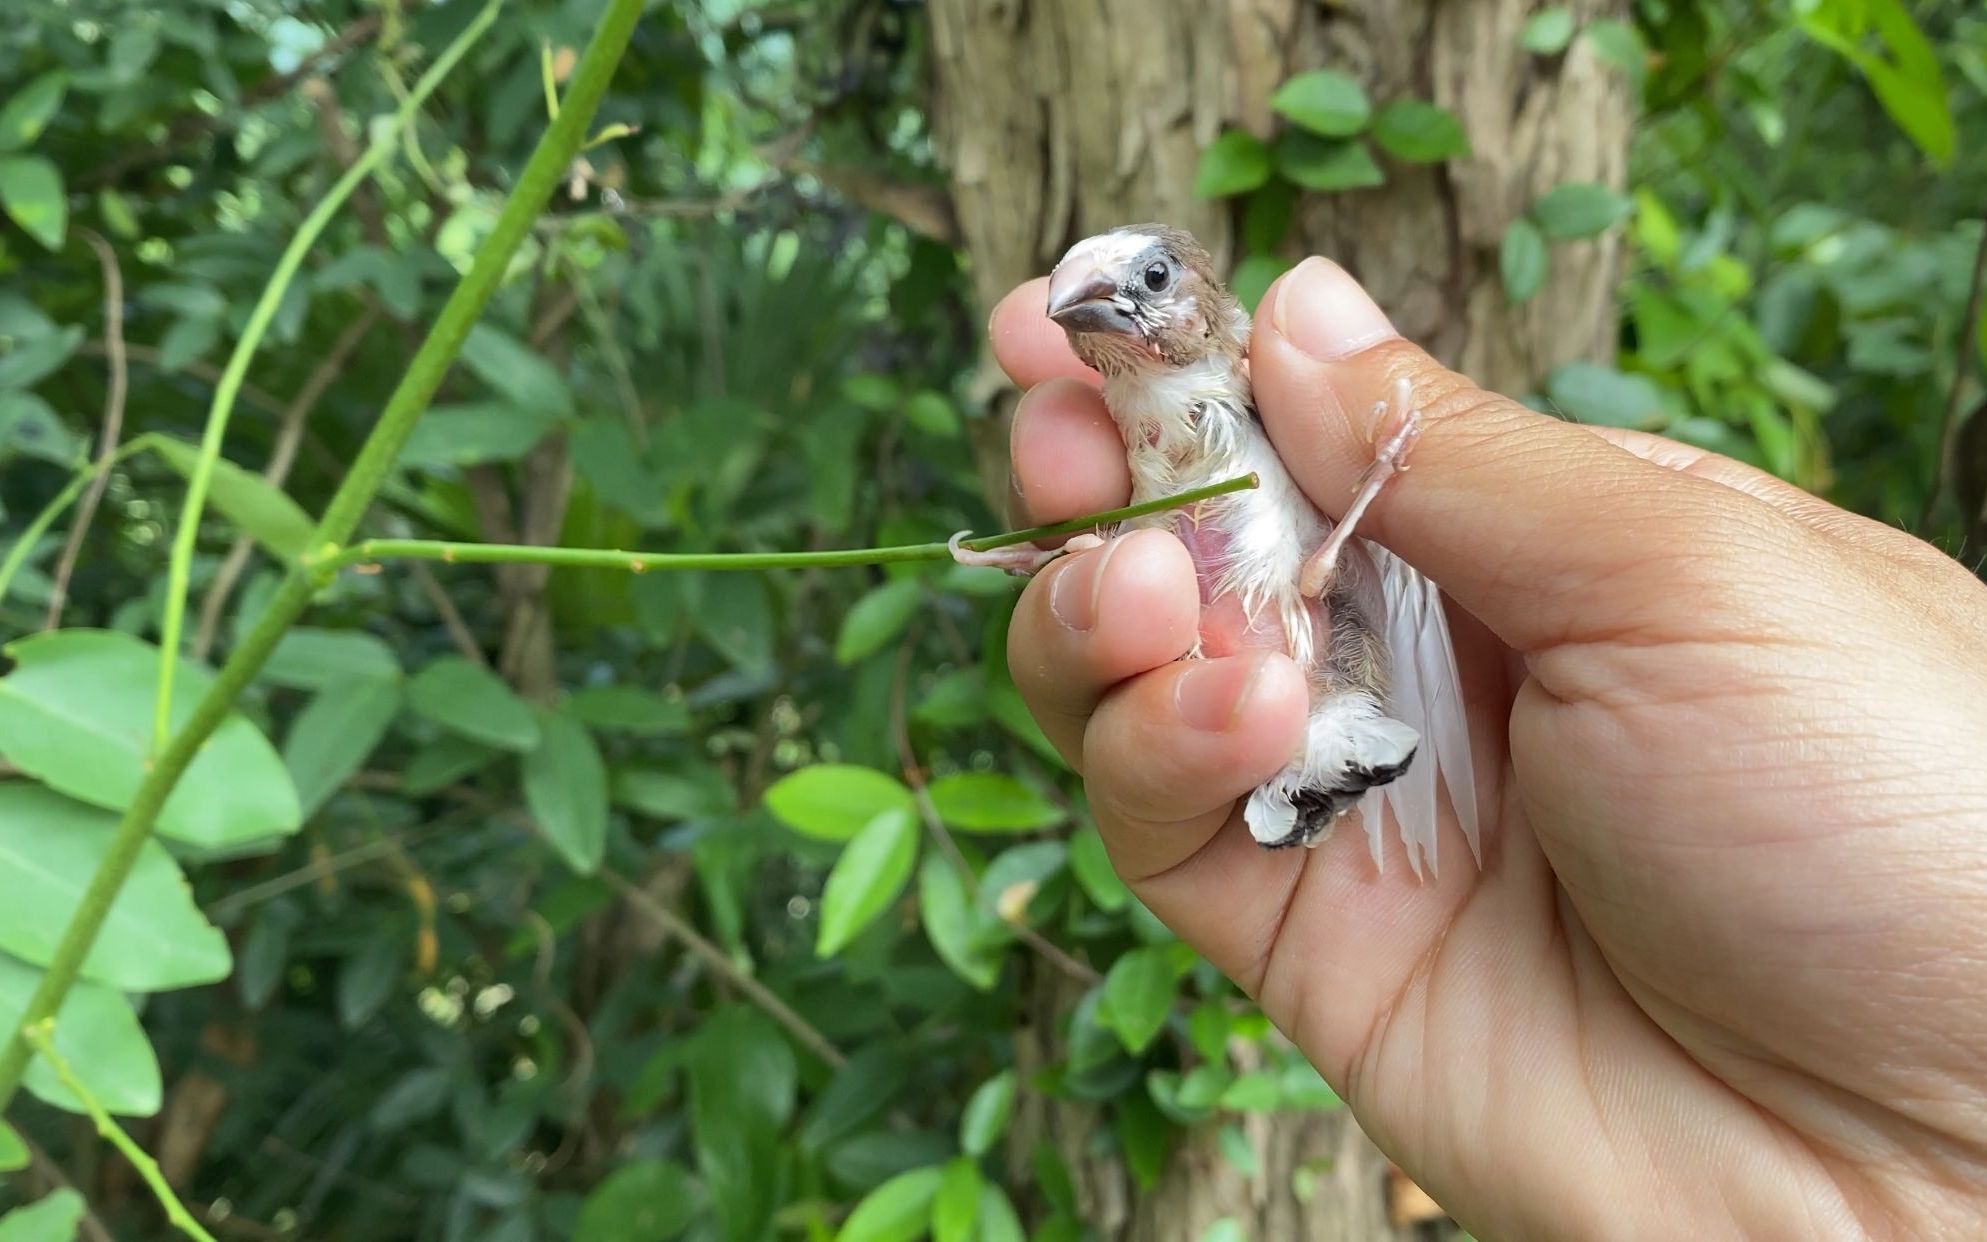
(1722, 969)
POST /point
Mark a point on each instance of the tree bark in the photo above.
(1058, 120)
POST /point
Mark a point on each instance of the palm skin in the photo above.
(1720, 971)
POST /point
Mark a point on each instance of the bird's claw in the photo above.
(1022, 560)
(1398, 426)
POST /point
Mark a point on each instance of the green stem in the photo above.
(17, 555)
(638, 562)
(437, 353)
(42, 1036)
(180, 574)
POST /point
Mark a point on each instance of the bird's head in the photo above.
(1143, 297)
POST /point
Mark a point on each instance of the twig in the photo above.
(179, 571)
(189, 127)
(914, 776)
(923, 209)
(1949, 421)
(451, 616)
(150, 356)
(51, 1174)
(712, 956)
(41, 1036)
(113, 423)
(367, 551)
(282, 458)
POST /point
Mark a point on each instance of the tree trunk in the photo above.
(1057, 120)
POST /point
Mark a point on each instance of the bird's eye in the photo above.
(1156, 276)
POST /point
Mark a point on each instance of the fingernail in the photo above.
(1073, 595)
(1211, 694)
(1323, 311)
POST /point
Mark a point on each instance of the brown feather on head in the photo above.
(1144, 295)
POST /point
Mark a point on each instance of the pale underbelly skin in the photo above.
(1225, 627)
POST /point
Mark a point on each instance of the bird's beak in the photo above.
(1081, 299)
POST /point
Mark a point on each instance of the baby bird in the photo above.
(1143, 306)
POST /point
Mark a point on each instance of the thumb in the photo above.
(1544, 531)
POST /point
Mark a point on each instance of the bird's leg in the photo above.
(1023, 560)
(1399, 427)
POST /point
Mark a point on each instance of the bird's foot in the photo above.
(1022, 560)
(1398, 426)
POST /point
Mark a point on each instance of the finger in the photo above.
(1520, 516)
(1167, 756)
(1028, 346)
(1068, 457)
(1804, 507)
(1092, 620)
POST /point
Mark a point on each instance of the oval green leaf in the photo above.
(1420, 132)
(967, 938)
(876, 619)
(473, 701)
(628, 709)
(155, 938)
(867, 878)
(565, 785)
(1587, 392)
(31, 191)
(55, 1217)
(1522, 261)
(897, 1211)
(13, 1152)
(314, 659)
(834, 801)
(76, 712)
(1325, 102)
(1325, 164)
(256, 507)
(97, 1034)
(333, 735)
(1234, 163)
(987, 1113)
(992, 802)
(646, 1201)
(28, 112)
(1138, 996)
(956, 1205)
(696, 791)
(1547, 32)
(1578, 209)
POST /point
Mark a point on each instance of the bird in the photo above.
(1142, 305)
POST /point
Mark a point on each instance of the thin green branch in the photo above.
(180, 573)
(639, 562)
(410, 398)
(24, 546)
(42, 1036)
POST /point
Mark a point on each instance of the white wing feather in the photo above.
(1427, 697)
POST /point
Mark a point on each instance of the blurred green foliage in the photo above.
(590, 904)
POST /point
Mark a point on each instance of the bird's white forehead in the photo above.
(1109, 250)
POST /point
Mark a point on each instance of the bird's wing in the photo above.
(1427, 697)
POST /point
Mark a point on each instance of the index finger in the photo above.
(1028, 346)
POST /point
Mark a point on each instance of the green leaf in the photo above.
(155, 938)
(1091, 863)
(992, 802)
(1138, 996)
(954, 700)
(470, 435)
(999, 1222)
(1325, 164)
(932, 414)
(868, 877)
(876, 619)
(645, 1201)
(897, 1211)
(1234, 163)
(834, 801)
(28, 112)
(1547, 32)
(333, 735)
(1146, 1137)
(1325, 102)
(257, 509)
(734, 613)
(13, 1152)
(418, 1096)
(313, 659)
(1522, 261)
(696, 793)
(987, 1113)
(1253, 277)
(1227, 1229)
(1619, 44)
(31, 427)
(367, 978)
(76, 712)
(97, 1034)
(515, 371)
(31, 191)
(955, 1208)
(1587, 392)
(966, 938)
(565, 785)
(1266, 217)
(1579, 209)
(1239, 1151)
(629, 709)
(1255, 1092)
(55, 1217)
(1420, 132)
(444, 761)
(1016, 875)
(473, 701)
